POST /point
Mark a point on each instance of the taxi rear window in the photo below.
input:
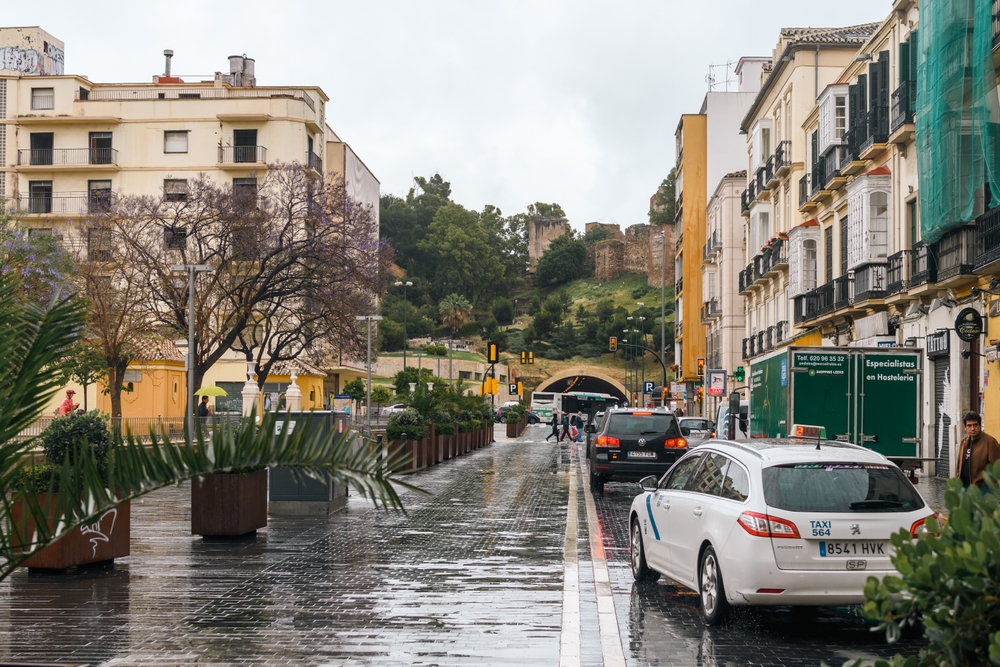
(659, 423)
(839, 487)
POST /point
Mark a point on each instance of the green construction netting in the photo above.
(957, 113)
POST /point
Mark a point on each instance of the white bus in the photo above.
(543, 403)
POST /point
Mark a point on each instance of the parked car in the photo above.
(696, 428)
(773, 522)
(631, 443)
(393, 409)
(598, 416)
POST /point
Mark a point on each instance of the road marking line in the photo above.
(611, 639)
(569, 639)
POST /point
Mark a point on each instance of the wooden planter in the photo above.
(229, 504)
(100, 542)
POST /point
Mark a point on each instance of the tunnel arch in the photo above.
(584, 380)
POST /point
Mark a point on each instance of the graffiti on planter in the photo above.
(94, 531)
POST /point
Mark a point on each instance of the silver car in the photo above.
(696, 428)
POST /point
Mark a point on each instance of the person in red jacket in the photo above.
(68, 406)
(978, 450)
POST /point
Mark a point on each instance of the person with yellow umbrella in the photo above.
(204, 411)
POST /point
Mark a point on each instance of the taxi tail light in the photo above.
(607, 441)
(675, 443)
(763, 525)
(919, 527)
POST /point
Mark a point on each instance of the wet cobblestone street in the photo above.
(476, 573)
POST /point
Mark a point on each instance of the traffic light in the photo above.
(492, 353)
(531, 357)
(524, 356)
(613, 344)
(699, 394)
(520, 388)
(701, 366)
(665, 395)
(739, 374)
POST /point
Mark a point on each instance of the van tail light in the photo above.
(608, 441)
(919, 527)
(763, 525)
(675, 443)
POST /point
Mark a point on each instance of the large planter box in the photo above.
(229, 504)
(102, 541)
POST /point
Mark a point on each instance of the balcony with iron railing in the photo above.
(851, 142)
(761, 178)
(717, 240)
(242, 155)
(897, 277)
(818, 177)
(745, 201)
(876, 119)
(956, 252)
(904, 101)
(65, 203)
(870, 282)
(843, 291)
(815, 303)
(779, 255)
(761, 341)
(782, 158)
(679, 286)
(67, 157)
(988, 238)
(923, 266)
(314, 162)
(768, 171)
(769, 339)
(712, 308)
(780, 332)
(747, 348)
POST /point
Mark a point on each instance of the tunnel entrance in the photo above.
(584, 383)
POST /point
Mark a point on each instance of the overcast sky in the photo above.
(569, 101)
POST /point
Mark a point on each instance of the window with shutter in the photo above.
(175, 189)
(175, 141)
(809, 265)
(828, 252)
(850, 237)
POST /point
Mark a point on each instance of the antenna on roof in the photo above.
(710, 78)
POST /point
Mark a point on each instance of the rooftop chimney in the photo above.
(168, 53)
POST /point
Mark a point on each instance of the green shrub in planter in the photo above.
(477, 424)
(516, 413)
(949, 583)
(464, 427)
(465, 416)
(63, 440)
(443, 423)
(409, 422)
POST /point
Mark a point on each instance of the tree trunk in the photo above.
(116, 378)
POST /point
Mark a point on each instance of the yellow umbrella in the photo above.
(211, 390)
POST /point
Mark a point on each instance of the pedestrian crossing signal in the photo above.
(613, 344)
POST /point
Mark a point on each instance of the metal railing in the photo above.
(712, 309)
(956, 253)
(188, 93)
(923, 267)
(769, 339)
(769, 170)
(896, 277)
(241, 154)
(66, 156)
(988, 233)
(851, 141)
(65, 203)
(783, 155)
(779, 254)
(679, 285)
(870, 282)
(780, 331)
(745, 201)
(761, 340)
(818, 179)
(843, 291)
(904, 101)
(139, 426)
(314, 162)
(817, 302)
(877, 121)
(761, 179)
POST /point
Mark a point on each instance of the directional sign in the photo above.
(512, 388)
(647, 387)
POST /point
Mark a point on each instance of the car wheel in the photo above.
(640, 570)
(597, 484)
(711, 590)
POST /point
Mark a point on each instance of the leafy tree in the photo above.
(543, 324)
(37, 261)
(542, 210)
(605, 310)
(85, 364)
(435, 186)
(405, 221)
(562, 261)
(503, 310)
(356, 390)
(663, 207)
(508, 240)
(381, 396)
(596, 234)
(457, 248)
(391, 336)
(33, 339)
(405, 376)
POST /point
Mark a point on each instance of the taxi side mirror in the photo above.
(685, 430)
(649, 483)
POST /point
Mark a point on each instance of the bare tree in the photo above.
(293, 259)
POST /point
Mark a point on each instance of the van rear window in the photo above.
(839, 487)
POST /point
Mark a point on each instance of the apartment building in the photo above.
(708, 147)
(69, 145)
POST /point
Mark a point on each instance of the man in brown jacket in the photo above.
(977, 450)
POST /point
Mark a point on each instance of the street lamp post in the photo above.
(192, 270)
(368, 388)
(663, 306)
(406, 341)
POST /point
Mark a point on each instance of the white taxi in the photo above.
(773, 522)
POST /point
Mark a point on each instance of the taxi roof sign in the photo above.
(808, 431)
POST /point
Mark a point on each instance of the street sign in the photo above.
(647, 387)
(512, 388)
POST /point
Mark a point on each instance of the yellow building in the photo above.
(155, 383)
